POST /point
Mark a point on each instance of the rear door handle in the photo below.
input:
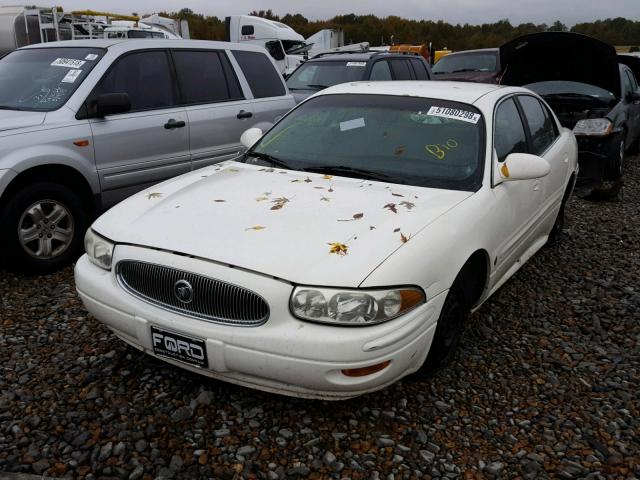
(172, 124)
(244, 114)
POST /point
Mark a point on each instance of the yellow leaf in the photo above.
(338, 248)
(153, 195)
(257, 228)
(327, 177)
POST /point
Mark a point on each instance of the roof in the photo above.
(465, 92)
(358, 56)
(145, 43)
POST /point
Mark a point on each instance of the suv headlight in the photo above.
(596, 127)
(353, 307)
(99, 249)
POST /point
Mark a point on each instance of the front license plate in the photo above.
(178, 347)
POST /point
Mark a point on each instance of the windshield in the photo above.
(43, 79)
(294, 47)
(407, 140)
(567, 88)
(468, 62)
(144, 34)
(319, 75)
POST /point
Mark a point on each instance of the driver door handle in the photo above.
(173, 124)
(244, 114)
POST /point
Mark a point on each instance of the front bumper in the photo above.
(284, 355)
(594, 154)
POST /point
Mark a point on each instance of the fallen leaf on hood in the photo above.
(338, 248)
(399, 150)
(257, 228)
(330, 189)
(262, 198)
(153, 195)
(232, 170)
(371, 227)
(307, 180)
(404, 239)
(407, 205)
(269, 170)
(219, 201)
(325, 199)
(279, 203)
(396, 230)
(356, 216)
(392, 207)
(319, 188)
(297, 180)
(397, 194)
(327, 177)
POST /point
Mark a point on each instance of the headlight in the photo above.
(597, 127)
(353, 307)
(99, 249)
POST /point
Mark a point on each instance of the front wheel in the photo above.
(448, 332)
(42, 228)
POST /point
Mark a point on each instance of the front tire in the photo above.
(448, 332)
(43, 225)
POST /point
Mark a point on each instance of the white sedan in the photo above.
(345, 249)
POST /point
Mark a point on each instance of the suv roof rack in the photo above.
(375, 53)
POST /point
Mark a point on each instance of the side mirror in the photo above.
(633, 96)
(112, 103)
(523, 166)
(250, 137)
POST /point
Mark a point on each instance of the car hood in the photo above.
(305, 228)
(541, 57)
(14, 119)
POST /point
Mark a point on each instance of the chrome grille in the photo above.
(213, 300)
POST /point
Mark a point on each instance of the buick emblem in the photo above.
(183, 291)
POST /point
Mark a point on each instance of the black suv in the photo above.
(331, 68)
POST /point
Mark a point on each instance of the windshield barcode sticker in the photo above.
(71, 76)
(91, 56)
(455, 114)
(356, 64)
(351, 124)
(67, 62)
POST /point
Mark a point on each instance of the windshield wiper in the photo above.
(354, 172)
(313, 85)
(269, 158)
(465, 70)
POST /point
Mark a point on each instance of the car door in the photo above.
(214, 103)
(517, 202)
(546, 142)
(150, 142)
(265, 87)
(633, 105)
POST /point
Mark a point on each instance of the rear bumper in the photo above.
(284, 355)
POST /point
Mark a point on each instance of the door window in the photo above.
(381, 71)
(540, 124)
(263, 78)
(401, 69)
(419, 69)
(509, 135)
(145, 77)
(203, 78)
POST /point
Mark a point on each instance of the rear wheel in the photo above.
(448, 332)
(42, 228)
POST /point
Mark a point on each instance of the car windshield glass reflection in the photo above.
(42, 79)
(415, 141)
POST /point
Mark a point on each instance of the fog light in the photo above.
(364, 371)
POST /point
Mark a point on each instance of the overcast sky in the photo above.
(453, 11)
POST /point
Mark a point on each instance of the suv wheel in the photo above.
(42, 228)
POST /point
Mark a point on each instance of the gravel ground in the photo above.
(546, 385)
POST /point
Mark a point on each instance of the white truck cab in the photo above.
(285, 45)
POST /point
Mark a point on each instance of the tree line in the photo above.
(395, 30)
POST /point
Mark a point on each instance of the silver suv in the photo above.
(84, 124)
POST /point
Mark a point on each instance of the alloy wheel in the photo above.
(46, 229)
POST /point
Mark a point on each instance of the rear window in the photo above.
(319, 75)
(420, 69)
(467, 62)
(203, 78)
(263, 78)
